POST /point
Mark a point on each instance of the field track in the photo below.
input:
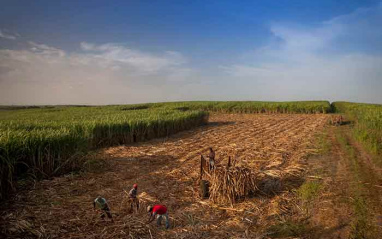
(166, 171)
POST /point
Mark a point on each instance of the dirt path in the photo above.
(366, 187)
(330, 211)
(166, 171)
(349, 205)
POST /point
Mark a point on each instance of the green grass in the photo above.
(323, 143)
(309, 190)
(368, 127)
(367, 130)
(288, 229)
(362, 226)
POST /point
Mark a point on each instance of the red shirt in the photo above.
(159, 209)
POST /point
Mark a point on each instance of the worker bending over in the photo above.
(102, 205)
(159, 210)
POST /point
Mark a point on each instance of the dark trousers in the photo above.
(132, 202)
(106, 210)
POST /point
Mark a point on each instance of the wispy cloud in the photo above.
(99, 74)
(8, 36)
(340, 59)
(115, 55)
(45, 50)
(337, 59)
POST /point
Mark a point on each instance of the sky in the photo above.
(121, 52)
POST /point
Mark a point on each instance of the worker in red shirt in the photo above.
(159, 210)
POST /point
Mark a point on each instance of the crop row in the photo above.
(46, 142)
(245, 106)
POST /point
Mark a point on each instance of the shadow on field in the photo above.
(303, 229)
(217, 124)
(104, 138)
(185, 134)
(347, 122)
(63, 205)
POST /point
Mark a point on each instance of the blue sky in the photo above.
(110, 52)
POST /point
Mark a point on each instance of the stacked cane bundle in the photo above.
(229, 184)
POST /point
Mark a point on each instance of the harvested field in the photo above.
(167, 171)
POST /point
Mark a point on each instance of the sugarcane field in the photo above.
(173, 119)
(233, 175)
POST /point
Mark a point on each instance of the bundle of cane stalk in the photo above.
(229, 184)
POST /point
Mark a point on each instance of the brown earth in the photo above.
(349, 204)
(167, 172)
(331, 214)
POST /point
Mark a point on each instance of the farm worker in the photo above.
(211, 157)
(159, 211)
(133, 197)
(102, 205)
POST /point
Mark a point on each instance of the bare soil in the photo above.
(167, 172)
(331, 214)
(349, 204)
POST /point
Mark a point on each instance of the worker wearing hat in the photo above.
(159, 210)
(133, 197)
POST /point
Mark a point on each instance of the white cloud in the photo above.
(87, 46)
(45, 50)
(115, 55)
(100, 74)
(8, 36)
(339, 59)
